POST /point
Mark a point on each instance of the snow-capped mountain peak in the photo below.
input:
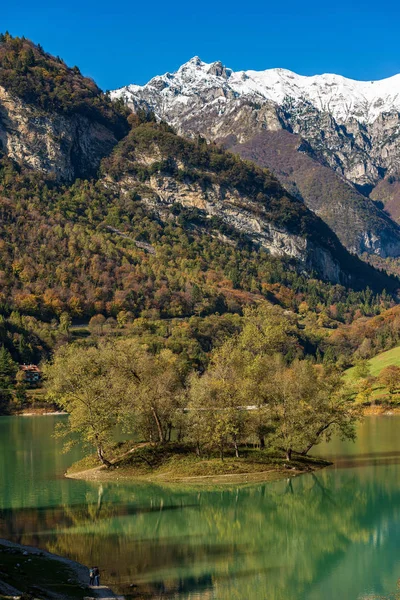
(343, 98)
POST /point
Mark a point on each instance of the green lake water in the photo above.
(331, 535)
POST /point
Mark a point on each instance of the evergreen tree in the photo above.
(8, 369)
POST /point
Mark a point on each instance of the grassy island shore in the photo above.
(173, 463)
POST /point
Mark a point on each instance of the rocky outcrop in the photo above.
(64, 146)
(241, 214)
(361, 152)
(351, 127)
(206, 187)
(358, 222)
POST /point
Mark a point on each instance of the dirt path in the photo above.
(103, 592)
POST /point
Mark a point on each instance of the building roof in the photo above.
(30, 368)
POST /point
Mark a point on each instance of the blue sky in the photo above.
(119, 41)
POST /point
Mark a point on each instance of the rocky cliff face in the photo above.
(351, 127)
(65, 146)
(362, 152)
(358, 222)
(167, 173)
(241, 214)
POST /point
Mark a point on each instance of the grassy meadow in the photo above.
(380, 393)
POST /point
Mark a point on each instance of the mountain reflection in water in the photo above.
(332, 534)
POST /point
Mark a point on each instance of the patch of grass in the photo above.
(380, 394)
(38, 575)
(92, 461)
(88, 462)
(175, 462)
(379, 362)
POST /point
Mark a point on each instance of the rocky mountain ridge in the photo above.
(345, 99)
(351, 127)
(360, 225)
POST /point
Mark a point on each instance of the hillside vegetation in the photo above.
(46, 81)
(379, 362)
(151, 149)
(124, 256)
(377, 380)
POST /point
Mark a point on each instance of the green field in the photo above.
(379, 362)
(376, 365)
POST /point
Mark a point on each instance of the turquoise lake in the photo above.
(334, 534)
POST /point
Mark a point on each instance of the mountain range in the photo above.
(345, 99)
(346, 131)
(104, 209)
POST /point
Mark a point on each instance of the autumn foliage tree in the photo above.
(88, 384)
(390, 378)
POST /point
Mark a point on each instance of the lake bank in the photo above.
(22, 568)
(174, 464)
(381, 410)
(374, 410)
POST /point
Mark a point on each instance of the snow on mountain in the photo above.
(343, 98)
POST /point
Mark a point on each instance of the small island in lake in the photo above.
(251, 414)
(175, 463)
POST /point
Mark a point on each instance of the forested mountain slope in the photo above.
(165, 224)
(53, 119)
(240, 195)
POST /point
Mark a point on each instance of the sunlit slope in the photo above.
(378, 392)
(379, 362)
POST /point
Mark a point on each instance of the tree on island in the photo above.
(310, 403)
(114, 384)
(151, 407)
(258, 385)
(86, 384)
(217, 412)
(250, 389)
(292, 407)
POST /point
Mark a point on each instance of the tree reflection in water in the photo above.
(333, 534)
(279, 539)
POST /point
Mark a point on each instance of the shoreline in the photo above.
(224, 479)
(39, 413)
(372, 410)
(377, 411)
(252, 473)
(35, 412)
(79, 571)
(267, 473)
